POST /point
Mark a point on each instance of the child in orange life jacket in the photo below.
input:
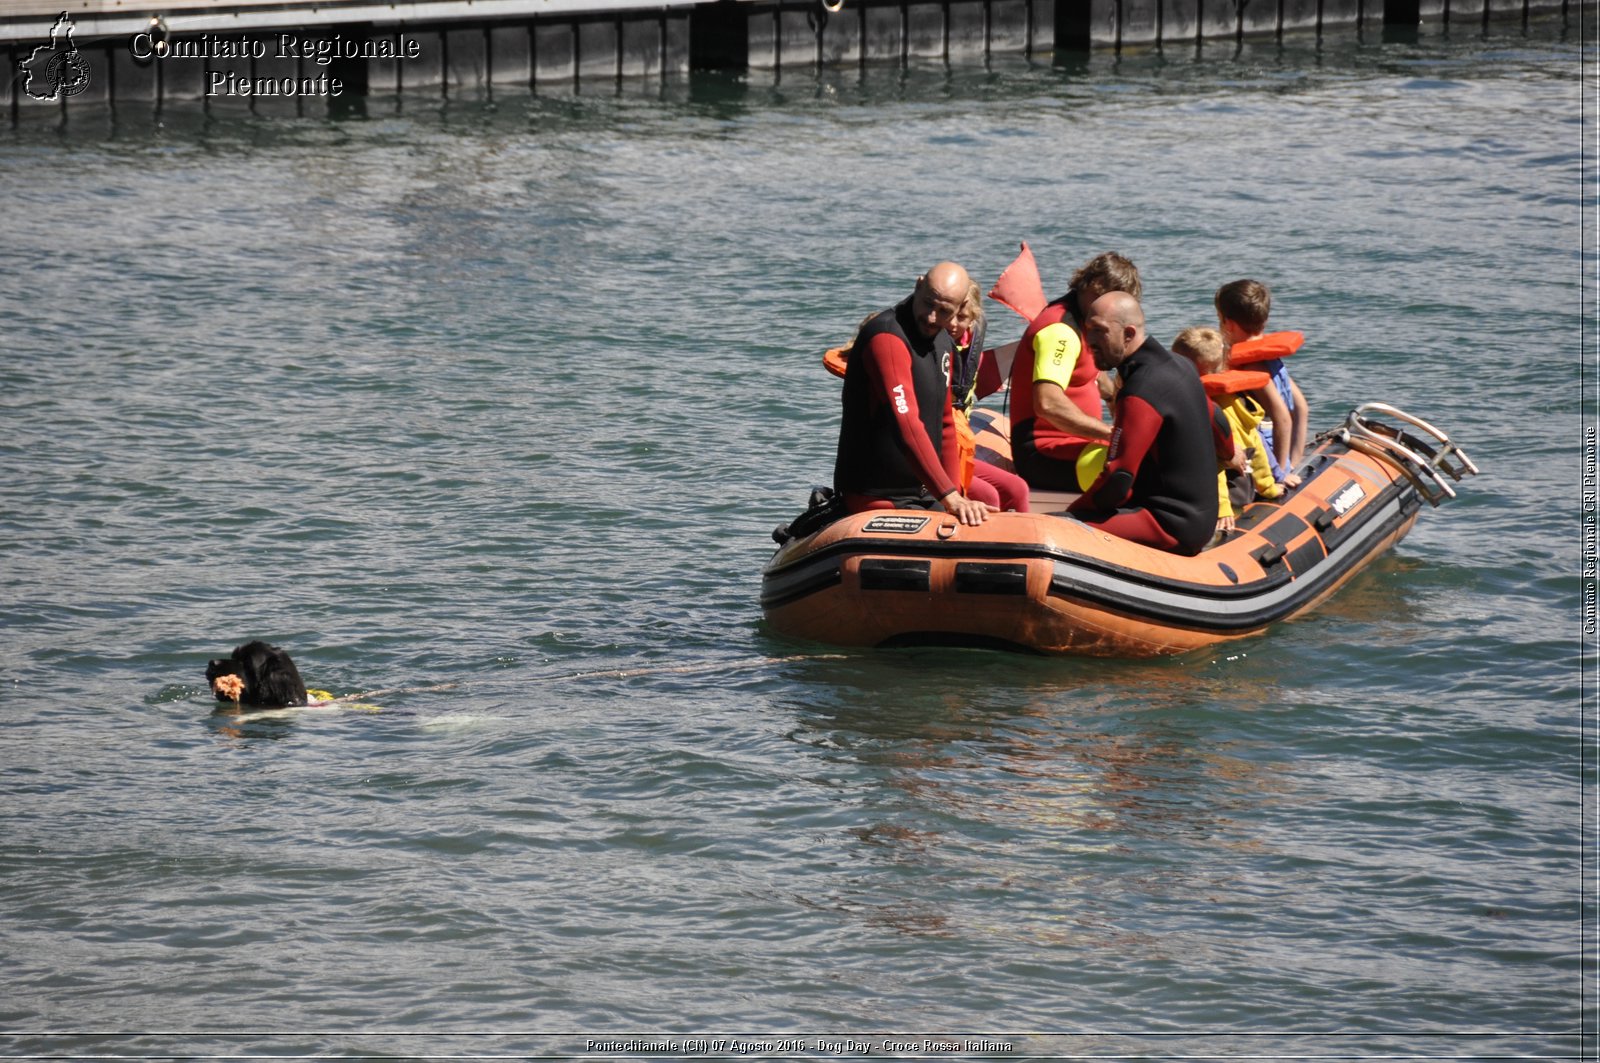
(1230, 390)
(1242, 310)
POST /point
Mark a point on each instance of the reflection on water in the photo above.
(1051, 803)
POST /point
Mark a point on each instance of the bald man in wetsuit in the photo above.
(897, 435)
(1159, 486)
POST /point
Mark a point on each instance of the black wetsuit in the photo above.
(897, 433)
(1159, 486)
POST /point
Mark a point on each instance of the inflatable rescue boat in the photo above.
(1045, 582)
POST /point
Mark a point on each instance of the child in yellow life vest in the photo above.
(1207, 348)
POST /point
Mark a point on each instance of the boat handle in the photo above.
(1403, 460)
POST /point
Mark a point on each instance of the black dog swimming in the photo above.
(257, 674)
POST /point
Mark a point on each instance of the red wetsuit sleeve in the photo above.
(950, 445)
(1221, 432)
(1132, 436)
(888, 368)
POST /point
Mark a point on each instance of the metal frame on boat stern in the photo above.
(1415, 459)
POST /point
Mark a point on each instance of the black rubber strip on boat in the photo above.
(1283, 530)
(895, 574)
(978, 577)
(1303, 558)
(795, 585)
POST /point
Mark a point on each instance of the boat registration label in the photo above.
(1345, 499)
(896, 525)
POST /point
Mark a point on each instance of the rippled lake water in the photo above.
(508, 393)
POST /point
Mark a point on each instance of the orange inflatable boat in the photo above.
(1046, 583)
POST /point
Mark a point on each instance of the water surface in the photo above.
(508, 393)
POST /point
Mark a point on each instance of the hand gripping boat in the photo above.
(1047, 583)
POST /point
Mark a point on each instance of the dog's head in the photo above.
(256, 674)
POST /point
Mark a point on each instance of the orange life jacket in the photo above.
(1234, 382)
(1265, 348)
(966, 451)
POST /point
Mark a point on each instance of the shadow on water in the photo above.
(239, 727)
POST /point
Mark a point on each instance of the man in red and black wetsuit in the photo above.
(897, 436)
(1159, 486)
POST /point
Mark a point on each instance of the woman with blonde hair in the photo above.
(974, 374)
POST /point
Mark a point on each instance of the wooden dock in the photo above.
(71, 53)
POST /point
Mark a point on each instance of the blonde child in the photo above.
(1207, 348)
(974, 374)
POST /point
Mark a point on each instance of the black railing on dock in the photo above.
(258, 51)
